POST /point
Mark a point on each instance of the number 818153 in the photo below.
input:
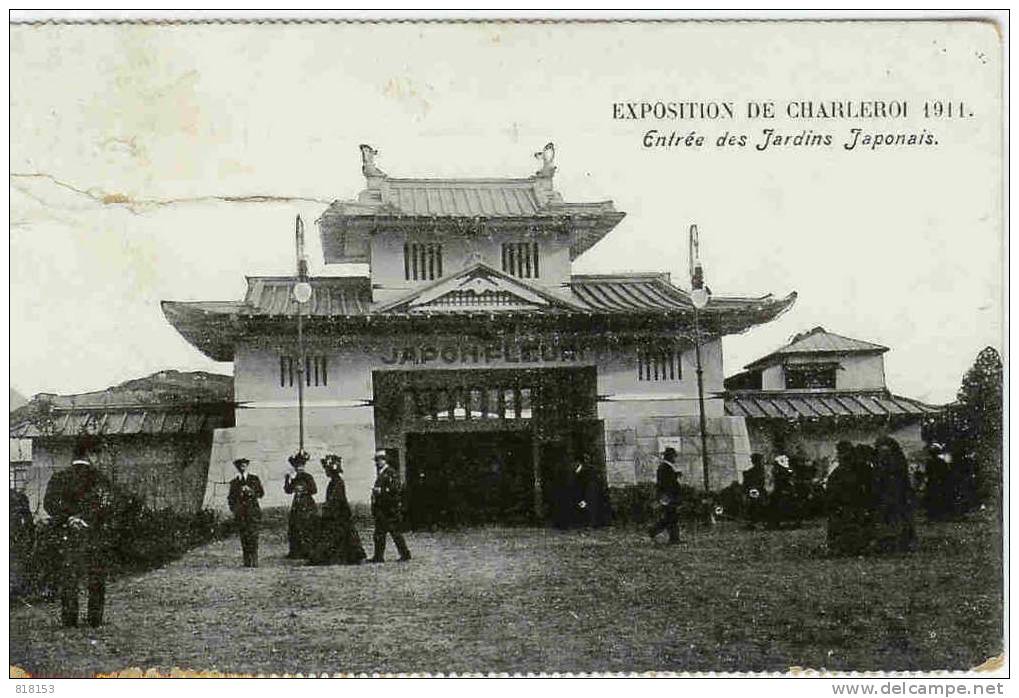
(36, 688)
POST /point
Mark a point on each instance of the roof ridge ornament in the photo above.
(547, 157)
(368, 167)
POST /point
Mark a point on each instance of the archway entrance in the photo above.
(488, 445)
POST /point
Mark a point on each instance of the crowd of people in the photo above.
(868, 493)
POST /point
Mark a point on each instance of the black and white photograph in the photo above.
(508, 348)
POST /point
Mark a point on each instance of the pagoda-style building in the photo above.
(472, 353)
(819, 389)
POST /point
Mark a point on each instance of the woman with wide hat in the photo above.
(301, 529)
(338, 541)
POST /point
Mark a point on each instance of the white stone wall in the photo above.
(636, 413)
(257, 368)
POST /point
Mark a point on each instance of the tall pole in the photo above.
(699, 297)
(700, 399)
(302, 294)
(300, 378)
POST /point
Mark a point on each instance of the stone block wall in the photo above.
(633, 448)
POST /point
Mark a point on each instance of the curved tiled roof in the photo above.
(339, 296)
(461, 197)
(212, 327)
(653, 292)
(460, 206)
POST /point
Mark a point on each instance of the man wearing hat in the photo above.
(753, 490)
(303, 513)
(79, 501)
(667, 489)
(245, 491)
(386, 504)
(782, 503)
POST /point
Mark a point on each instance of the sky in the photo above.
(125, 139)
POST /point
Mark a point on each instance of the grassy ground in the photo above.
(540, 600)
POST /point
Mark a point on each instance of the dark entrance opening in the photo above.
(492, 445)
(469, 478)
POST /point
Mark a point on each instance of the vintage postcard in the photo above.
(433, 347)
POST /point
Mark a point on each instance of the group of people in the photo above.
(868, 495)
(776, 492)
(870, 499)
(79, 502)
(323, 536)
(784, 491)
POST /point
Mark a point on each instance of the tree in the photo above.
(977, 424)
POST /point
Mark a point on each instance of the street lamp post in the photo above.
(699, 296)
(700, 301)
(302, 294)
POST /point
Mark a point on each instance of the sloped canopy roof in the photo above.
(787, 405)
(819, 341)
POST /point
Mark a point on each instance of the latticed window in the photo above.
(810, 376)
(659, 364)
(316, 371)
(422, 261)
(520, 259)
(472, 403)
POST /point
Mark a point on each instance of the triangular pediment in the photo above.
(479, 288)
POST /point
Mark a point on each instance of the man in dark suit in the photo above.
(782, 503)
(245, 491)
(667, 490)
(387, 502)
(753, 490)
(79, 499)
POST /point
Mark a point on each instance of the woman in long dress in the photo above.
(300, 531)
(894, 499)
(338, 541)
(847, 504)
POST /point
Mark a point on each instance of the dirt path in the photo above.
(540, 600)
